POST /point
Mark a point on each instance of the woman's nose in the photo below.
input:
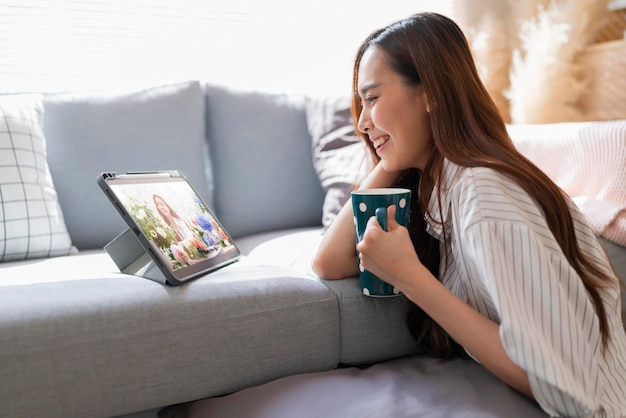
(365, 123)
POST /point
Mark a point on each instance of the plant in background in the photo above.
(200, 204)
(204, 223)
(151, 224)
(547, 77)
(180, 256)
(208, 231)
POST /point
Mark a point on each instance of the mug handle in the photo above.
(381, 217)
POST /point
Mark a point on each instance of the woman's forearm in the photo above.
(475, 332)
(336, 257)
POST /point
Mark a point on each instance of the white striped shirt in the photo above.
(503, 260)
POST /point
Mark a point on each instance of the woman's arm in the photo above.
(336, 256)
(476, 333)
(391, 256)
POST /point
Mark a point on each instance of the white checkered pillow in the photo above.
(31, 221)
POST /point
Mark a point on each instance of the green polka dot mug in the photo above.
(374, 202)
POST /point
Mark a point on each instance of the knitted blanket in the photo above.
(588, 161)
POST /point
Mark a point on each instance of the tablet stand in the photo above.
(131, 258)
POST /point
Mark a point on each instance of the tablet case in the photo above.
(131, 258)
(127, 251)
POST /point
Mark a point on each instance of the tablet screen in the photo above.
(178, 225)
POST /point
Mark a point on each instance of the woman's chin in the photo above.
(390, 166)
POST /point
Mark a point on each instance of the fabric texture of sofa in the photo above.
(263, 337)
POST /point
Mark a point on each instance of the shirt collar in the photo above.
(441, 217)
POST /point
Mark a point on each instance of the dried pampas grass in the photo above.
(547, 80)
(526, 9)
(491, 47)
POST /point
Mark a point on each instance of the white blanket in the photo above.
(588, 161)
(408, 387)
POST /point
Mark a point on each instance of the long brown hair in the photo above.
(467, 129)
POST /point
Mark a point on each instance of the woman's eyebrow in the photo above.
(368, 87)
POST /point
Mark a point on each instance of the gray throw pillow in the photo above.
(339, 156)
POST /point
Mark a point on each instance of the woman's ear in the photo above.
(427, 100)
(423, 97)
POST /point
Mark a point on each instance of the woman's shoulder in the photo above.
(473, 183)
(475, 195)
(484, 194)
(479, 180)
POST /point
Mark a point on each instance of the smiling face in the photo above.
(394, 115)
(162, 207)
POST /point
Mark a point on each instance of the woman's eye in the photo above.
(370, 99)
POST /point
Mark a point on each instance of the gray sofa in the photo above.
(263, 336)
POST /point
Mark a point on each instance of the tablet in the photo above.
(173, 225)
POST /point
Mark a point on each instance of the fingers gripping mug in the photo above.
(374, 202)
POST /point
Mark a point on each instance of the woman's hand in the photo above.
(389, 254)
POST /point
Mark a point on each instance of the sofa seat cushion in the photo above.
(82, 339)
(372, 329)
(293, 248)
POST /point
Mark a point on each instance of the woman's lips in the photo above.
(380, 141)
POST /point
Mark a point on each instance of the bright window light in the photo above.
(271, 45)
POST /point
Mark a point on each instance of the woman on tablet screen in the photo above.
(172, 219)
(523, 286)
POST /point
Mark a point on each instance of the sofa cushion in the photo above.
(339, 156)
(261, 157)
(372, 329)
(31, 220)
(292, 248)
(100, 343)
(160, 128)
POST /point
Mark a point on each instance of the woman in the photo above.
(172, 219)
(524, 286)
